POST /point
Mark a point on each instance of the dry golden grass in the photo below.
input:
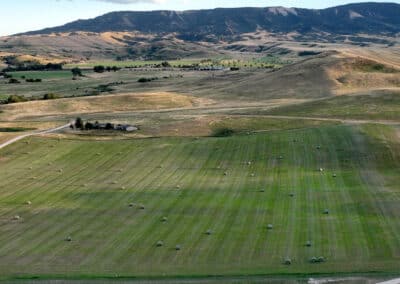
(100, 104)
(359, 74)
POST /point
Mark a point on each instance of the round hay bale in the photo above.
(280, 157)
(164, 219)
(68, 239)
(30, 168)
(123, 187)
(321, 170)
(159, 243)
(270, 227)
(252, 175)
(178, 187)
(208, 232)
(28, 203)
(287, 261)
(178, 247)
(248, 163)
(131, 204)
(313, 259)
(141, 206)
(318, 147)
(17, 217)
(291, 194)
(326, 211)
(334, 175)
(114, 182)
(308, 244)
(98, 154)
(60, 170)
(321, 259)
(225, 173)
(262, 190)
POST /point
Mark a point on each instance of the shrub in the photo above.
(145, 80)
(16, 99)
(99, 69)
(50, 96)
(223, 132)
(76, 72)
(13, 81)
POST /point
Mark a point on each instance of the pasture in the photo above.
(44, 75)
(188, 207)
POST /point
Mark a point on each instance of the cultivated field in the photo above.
(197, 207)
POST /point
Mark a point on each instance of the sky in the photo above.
(26, 15)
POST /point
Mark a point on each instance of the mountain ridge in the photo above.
(215, 24)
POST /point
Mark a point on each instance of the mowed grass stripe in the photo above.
(132, 195)
(51, 234)
(156, 210)
(110, 237)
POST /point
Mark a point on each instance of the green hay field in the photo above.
(83, 189)
(44, 75)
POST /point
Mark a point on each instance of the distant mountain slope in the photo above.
(365, 18)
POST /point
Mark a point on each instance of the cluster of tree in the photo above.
(33, 66)
(80, 124)
(12, 99)
(164, 64)
(30, 80)
(102, 68)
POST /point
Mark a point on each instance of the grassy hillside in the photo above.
(383, 105)
(96, 104)
(84, 189)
